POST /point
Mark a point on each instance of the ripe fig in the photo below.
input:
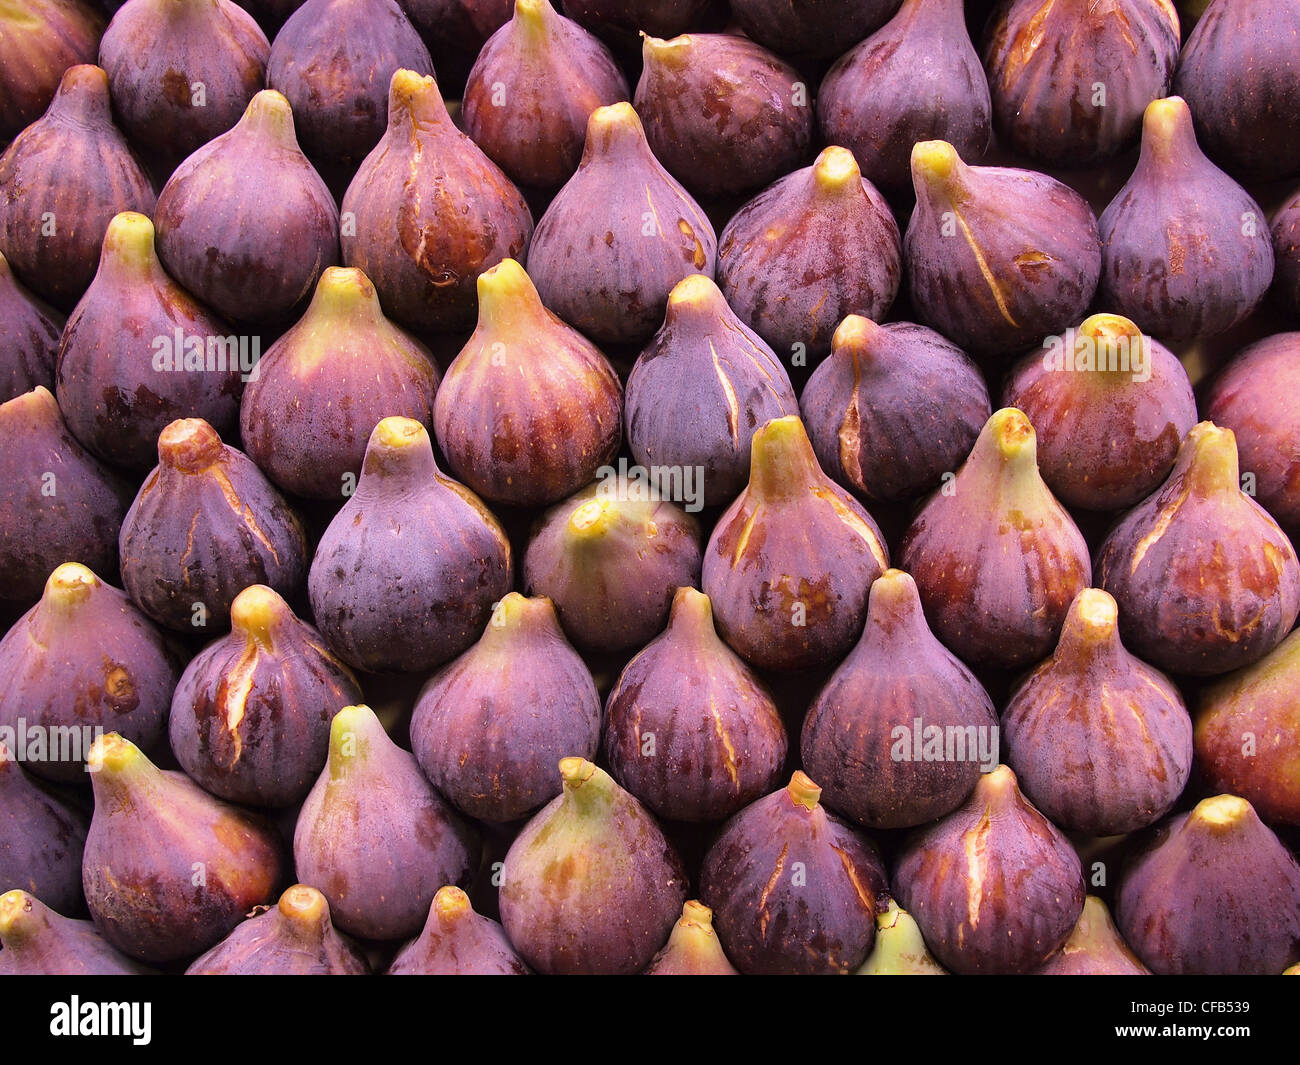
(1094, 948)
(530, 409)
(42, 836)
(456, 31)
(29, 338)
(39, 942)
(693, 948)
(406, 574)
(689, 729)
(994, 886)
(169, 871)
(456, 941)
(997, 258)
(996, 558)
(899, 949)
(590, 885)
(250, 719)
(1186, 251)
(630, 224)
(64, 178)
(811, 30)
(39, 41)
(1286, 255)
(807, 251)
(1205, 580)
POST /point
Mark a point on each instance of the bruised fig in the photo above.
(39, 942)
(39, 41)
(693, 948)
(293, 938)
(794, 890)
(1215, 892)
(139, 352)
(488, 729)
(406, 574)
(84, 659)
(994, 886)
(996, 558)
(250, 719)
(530, 409)
(375, 838)
(918, 78)
(901, 730)
(791, 561)
(997, 258)
(169, 871)
(690, 730)
(1094, 948)
(531, 90)
(1286, 255)
(1186, 251)
(591, 886)
(809, 250)
(811, 30)
(1097, 385)
(894, 408)
(456, 941)
(428, 212)
(619, 235)
(1205, 580)
(899, 949)
(29, 338)
(64, 178)
(41, 836)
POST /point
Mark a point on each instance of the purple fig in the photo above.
(1094, 948)
(899, 949)
(1286, 255)
(620, 21)
(811, 30)
(39, 41)
(693, 948)
(37, 941)
(29, 338)
(456, 941)
(42, 837)
(456, 31)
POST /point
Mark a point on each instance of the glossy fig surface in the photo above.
(456, 941)
(29, 337)
(37, 941)
(42, 836)
(39, 41)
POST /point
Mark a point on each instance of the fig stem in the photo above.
(70, 585)
(1212, 465)
(803, 792)
(1221, 813)
(782, 463)
(255, 613)
(836, 172)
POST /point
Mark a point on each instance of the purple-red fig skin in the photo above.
(50, 37)
(29, 338)
(260, 946)
(477, 946)
(62, 946)
(1286, 256)
(456, 31)
(41, 839)
(811, 31)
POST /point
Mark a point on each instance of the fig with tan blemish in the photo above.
(1094, 948)
(37, 941)
(693, 948)
(457, 941)
(899, 949)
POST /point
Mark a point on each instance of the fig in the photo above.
(693, 948)
(529, 410)
(428, 212)
(456, 941)
(64, 178)
(901, 731)
(1186, 251)
(169, 871)
(293, 938)
(620, 21)
(39, 41)
(1094, 948)
(489, 728)
(29, 338)
(139, 352)
(997, 258)
(374, 837)
(794, 890)
(1205, 580)
(1215, 892)
(42, 836)
(994, 886)
(809, 250)
(618, 236)
(996, 558)
(899, 949)
(531, 90)
(690, 730)
(1286, 255)
(456, 31)
(406, 574)
(811, 30)
(591, 886)
(251, 716)
(39, 942)
(917, 78)
(893, 408)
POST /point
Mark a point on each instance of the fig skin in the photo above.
(1286, 255)
(121, 376)
(37, 941)
(405, 576)
(1100, 741)
(620, 21)
(86, 658)
(997, 258)
(809, 250)
(811, 31)
(251, 714)
(29, 338)
(996, 558)
(1094, 948)
(1108, 438)
(74, 170)
(293, 938)
(486, 729)
(899, 949)
(427, 212)
(455, 32)
(693, 948)
(530, 410)
(994, 886)
(633, 227)
(456, 941)
(57, 501)
(917, 78)
(893, 408)
(1205, 579)
(1213, 893)
(39, 41)
(724, 115)
(790, 563)
(716, 740)
(552, 74)
(591, 886)
(1044, 64)
(169, 871)
(794, 890)
(1187, 252)
(897, 674)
